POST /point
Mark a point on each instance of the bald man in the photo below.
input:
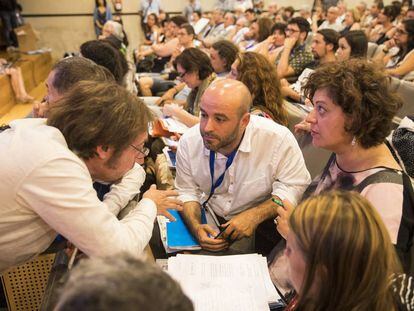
(230, 166)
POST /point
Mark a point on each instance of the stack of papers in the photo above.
(239, 282)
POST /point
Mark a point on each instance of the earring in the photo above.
(353, 142)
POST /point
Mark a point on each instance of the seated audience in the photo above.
(295, 56)
(222, 55)
(195, 70)
(116, 30)
(340, 257)
(353, 111)
(354, 44)
(259, 31)
(324, 45)
(153, 85)
(385, 28)
(241, 29)
(398, 53)
(240, 197)
(121, 283)
(168, 47)
(272, 46)
(151, 30)
(217, 30)
(331, 20)
(370, 18)
(351, 21)
(95, 132)
(260, 77)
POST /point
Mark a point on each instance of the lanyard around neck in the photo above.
(219, 181)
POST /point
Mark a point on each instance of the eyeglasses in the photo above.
(144, 151)
(182, 74)
(401, 31)
(291, 30)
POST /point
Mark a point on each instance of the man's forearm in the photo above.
(263, 211)
(283, 65)
(192, 215)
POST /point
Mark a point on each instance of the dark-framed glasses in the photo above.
(144, 151)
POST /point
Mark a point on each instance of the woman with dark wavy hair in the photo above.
(260, 77)
(353, 111)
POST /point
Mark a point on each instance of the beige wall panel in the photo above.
(68, 33)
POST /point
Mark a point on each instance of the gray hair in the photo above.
(121, 283)
(117, 30)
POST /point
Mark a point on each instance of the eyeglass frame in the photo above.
(291, 30)
(144, 151)
(401, 31)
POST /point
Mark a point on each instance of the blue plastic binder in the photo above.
(178, 235)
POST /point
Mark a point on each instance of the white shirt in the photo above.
(334, 26)
(46, 189)
(268, 162)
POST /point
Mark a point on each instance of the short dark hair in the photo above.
(96, 114)
(390, 11)
(194, 60)
(123, 283)
(227, 51)
(179, 20)
(69, 71)
(358, 42)
(106, 55)
(188, 28)
(330, 36)
(278, 26)
(302, 23)
(250, 11)
(362, 90)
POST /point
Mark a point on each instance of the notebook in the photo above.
(178, 235)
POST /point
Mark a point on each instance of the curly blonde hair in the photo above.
(260, 77)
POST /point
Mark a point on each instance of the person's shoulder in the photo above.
(192, 135)
(38, 138)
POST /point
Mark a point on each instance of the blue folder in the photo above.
(178, 235)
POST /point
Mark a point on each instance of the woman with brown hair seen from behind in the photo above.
(260, 77)
(353, 111)
(340, 257)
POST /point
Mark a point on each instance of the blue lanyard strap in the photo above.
(219, 181)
